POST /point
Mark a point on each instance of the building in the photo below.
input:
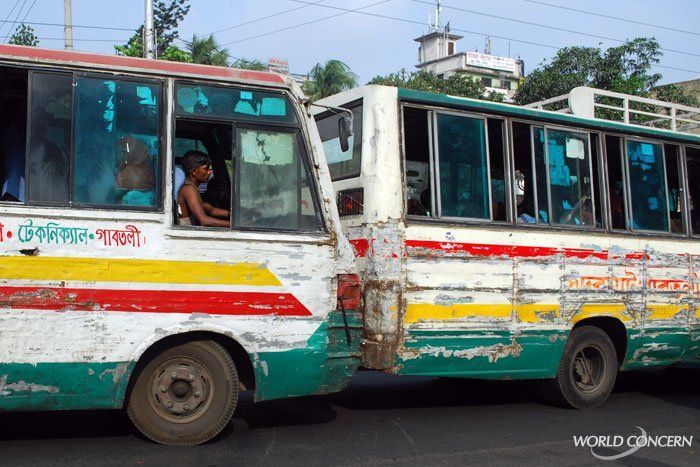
(438, 54)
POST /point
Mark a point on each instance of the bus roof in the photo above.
(116, 62)
(542, 115)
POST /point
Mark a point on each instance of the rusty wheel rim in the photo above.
(181, 389)
(588, 369)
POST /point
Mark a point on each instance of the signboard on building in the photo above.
(278, 65)
(492, 61)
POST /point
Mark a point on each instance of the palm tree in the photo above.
(206, 51)
(331, 78)
(246, 64)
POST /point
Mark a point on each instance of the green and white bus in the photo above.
(499, 241)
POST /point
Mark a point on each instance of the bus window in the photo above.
(616, 183)
(596, 175)
(570, 178)
(497, 169)
(341, 164)
(647, 180)
(50, 138)
(693, 175)
(417, 151)
(116, 142)
(13, 123)
(530, 178)
(463, 166)
(673, 182)
(272, 182)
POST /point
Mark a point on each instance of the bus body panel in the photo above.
(499, 301)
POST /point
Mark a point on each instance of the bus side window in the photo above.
(692, 156)
(616, 183)
(497, 169)
(674, 184)
(13, 124)
(419, 185)
(647, 179)
(524, 180)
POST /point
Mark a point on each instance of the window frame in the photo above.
(91, 74)
(304, 165)
(687, 220)
(348, 106)
(630, 217)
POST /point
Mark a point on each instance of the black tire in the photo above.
(587, 370)
(185, 395)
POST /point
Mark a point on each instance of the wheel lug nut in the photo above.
(173, 375)
(163, 388)
(191, 377)
(170, 405)
(186, 407)
(197, 394)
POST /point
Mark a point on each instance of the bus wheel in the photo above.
(587, 370)
(185, 395)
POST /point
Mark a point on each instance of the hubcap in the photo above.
(181, 388)
(588, 369)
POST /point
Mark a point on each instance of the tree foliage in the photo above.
(247, 64)
(456, 85)
(24, 35)
(167, 15)
(625, 69)
(328, 79)
(207, 52)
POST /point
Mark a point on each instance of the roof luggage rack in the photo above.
(588, 102)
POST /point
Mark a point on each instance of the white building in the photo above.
(438, 54)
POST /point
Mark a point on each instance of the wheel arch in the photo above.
(149, 350)
(614, 328)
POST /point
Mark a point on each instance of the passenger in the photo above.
(135, 174)
(191, 208)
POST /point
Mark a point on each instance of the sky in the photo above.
(377, 38)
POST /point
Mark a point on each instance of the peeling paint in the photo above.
(117, 372)
(9, 389)
(493, 353)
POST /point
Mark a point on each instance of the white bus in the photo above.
(498, 241)
(106, 301)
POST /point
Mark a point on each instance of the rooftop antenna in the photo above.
(438, 10)
(487, 47)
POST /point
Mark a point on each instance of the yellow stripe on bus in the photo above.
(664, 311)
(528, 313)
(134, 270)
(592, 310)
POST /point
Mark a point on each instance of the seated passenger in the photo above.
(135, 175)
(191, 208)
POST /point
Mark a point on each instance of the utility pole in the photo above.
(68, 26)
(149, 43)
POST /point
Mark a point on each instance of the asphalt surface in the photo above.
(382, 419)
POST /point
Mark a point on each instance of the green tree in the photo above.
(207, 52)
(24, 35)
(673, 93)
(457, 84)
(328, 79)
(625, 68)
(167, 15)
(246, 64)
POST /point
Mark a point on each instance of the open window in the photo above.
(617, 188)
(13, 129)
(418, 175)
(692, 160)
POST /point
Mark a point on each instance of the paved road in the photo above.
(383, 419)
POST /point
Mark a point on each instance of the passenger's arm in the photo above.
(196, 209)
(215, 212)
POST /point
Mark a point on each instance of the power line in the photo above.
(84, 26)
(63, 38)
(548, 26)
(612, 17)
(403, 20)
(258, 19)
(27, 13)
(9, 14)
(345, 11)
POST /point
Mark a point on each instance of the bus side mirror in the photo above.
(344, 132)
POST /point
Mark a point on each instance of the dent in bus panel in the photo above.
(116, 142)
(417, 153)
(693, 171)
(230, 103)
(463, 167)
(13, 124)
(274, 189)
(570, 178)
(647, 186)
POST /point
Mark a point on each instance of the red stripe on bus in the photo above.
(512, 251)
(152, 301)
(164, 66)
